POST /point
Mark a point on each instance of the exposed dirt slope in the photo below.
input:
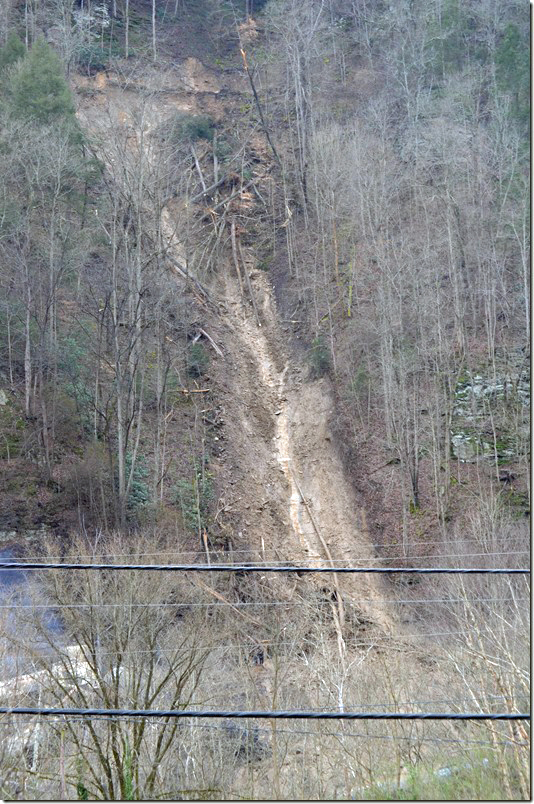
(279, 473)
(286, 474)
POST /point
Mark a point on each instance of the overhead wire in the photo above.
(268, 644)
(311, 559)
(262, 604)
(392, 642)
(250, 551)
(387, 639)
(260, 714)
(16, 565)
(292, 732)
(428, 702)
(294, 714)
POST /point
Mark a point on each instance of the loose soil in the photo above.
(278, 470)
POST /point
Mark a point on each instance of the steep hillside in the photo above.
(183, 152)
(266, 304)
(274, 461)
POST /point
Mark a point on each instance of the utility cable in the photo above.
(267, 644)
(270, 644)
(4, 565)
(255, 551)
(298, 732)
(367, 704)
(311, 604)
(262, 714)
(257, 561)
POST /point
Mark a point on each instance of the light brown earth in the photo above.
(280, 475)
(287, 477)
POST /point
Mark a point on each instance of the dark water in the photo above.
(19, 624)
(9, 578)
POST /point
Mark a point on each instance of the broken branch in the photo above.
(260, 110)
(224, 600)
(210, 339)
(249, 285)
(236, 260)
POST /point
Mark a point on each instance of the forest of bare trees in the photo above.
(266, 274)
(408, 152)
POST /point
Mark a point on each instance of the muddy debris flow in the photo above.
(284, 476)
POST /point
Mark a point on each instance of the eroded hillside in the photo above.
(283, 494)
(248, 325)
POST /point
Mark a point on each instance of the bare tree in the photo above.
(120, 645)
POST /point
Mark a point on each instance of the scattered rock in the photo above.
(479, 396)
(198, 78)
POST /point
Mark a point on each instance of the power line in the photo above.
(300, 732)
(378, 705)
(259, 568)
(255, 644)
(311, 604)
(393, 642)
(306, 732)
(249, 550)
(269, 644)
(263, 714)
(216, 554)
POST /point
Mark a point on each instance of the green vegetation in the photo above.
(11, 52)
(194, 495)
(183, 128)
(512, 59)
(12, 430)
(475, 779)
(128, 781)
(518, 502)
(454, 22)
(265, 263)
(319, 357)
(139, 493)
(224, 148)
(359, 383)
(92, 57)
(388, 203)
(486, 412)
(37, 90)
(197, 359)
